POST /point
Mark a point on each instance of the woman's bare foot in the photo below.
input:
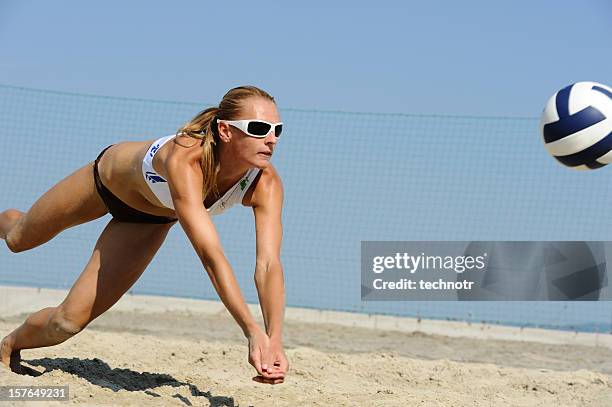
(9, 358)
(8, 218)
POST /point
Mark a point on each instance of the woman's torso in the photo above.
(121, 171)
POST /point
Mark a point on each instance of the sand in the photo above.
(145, 353)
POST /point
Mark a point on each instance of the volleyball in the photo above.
(576, 125)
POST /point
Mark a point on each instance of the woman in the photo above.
(218, 159)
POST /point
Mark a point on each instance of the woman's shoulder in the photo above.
(179, 153)
(266, 188)
(182, 147)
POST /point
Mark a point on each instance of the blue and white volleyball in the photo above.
(577, 125)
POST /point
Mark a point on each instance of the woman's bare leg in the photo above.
(120, 256)
(72, 201)
(8, 219)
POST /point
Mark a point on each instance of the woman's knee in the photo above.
(24, 236)
(15, 243)
(62, 326)
(9, 219)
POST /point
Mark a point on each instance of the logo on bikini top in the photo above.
(152, 177)
(243, 183)
(154, 150)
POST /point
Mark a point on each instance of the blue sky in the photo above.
(483, 58)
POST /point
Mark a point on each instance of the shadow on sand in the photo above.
(99, 373)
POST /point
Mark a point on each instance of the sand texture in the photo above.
(182, 358)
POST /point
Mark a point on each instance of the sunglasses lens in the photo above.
(278, 130)
(258, 128)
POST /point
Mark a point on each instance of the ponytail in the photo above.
(204, 128)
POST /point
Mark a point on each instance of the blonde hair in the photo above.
(204, 127)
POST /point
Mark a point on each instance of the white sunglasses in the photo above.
(255, 128)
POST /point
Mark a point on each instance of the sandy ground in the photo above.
(198, 357)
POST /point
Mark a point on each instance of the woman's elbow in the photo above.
(264, 264)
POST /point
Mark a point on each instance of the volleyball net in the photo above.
(348, 177)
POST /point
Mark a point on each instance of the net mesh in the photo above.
(348, 177)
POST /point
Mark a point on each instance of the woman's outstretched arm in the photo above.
(185, 182)
(267, 202)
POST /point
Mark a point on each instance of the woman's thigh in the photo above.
(70, 202)
(120, 256)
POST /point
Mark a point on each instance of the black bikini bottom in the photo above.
(120, 210)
